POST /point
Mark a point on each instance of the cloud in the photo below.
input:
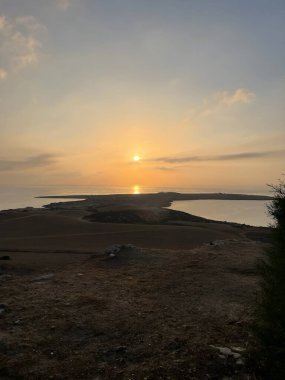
(239, 96)
(165, 168)
(222, 157)
(222, 101)
(3, 74)
(28, 163)
(3, 22)
(19, 42)
(63, 4)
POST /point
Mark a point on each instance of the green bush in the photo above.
(269, 328)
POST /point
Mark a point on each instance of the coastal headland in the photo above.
(120, 287)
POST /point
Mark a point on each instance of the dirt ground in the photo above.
(70, 311)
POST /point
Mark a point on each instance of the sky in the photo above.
(195, 88)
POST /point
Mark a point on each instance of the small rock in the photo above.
(223, 350)
(44, 277)
(238, 349)
(218, 243)
(236, 355)
(113, 249)
(240, 362)
(3, 308)
(4, 277)
(130, 246)
(120, 349)
(6, 257)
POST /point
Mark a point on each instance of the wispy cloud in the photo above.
(63, 4)
(223, 157)
(27, 163)
(165, 168)
(3, 74)
(19, 43)
(239, 96)
(222, 101)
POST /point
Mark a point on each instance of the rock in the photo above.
(240, 362)
(120, 349)
(238, 349)
(4, 277)
(218, 243)
(129, 246)
(5, 258)
(3, 308)
(223, 350)
(115, 249)
(236, 355)
(43, 277)
(226, 351)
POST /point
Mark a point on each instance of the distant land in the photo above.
(162, 199)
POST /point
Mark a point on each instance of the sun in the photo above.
(136, 158)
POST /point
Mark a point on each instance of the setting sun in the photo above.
(136, 158)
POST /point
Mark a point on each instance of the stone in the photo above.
(3, 308)
(44, 277)
(238, 349)
(226, 351)
(6, 257)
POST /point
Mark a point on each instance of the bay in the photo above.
(249, 212)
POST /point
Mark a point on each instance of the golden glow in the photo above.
(136, 189)
(136, 158)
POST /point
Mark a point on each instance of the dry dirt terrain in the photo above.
(156, 310)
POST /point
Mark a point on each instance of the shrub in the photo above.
(269, 327)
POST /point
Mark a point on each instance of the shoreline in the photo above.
(161, 199)
(110, 207)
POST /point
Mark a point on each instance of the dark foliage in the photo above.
(270, 324)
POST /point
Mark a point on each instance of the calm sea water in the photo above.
(249, 212)
(12, 197)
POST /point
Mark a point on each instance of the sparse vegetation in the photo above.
(270, 325)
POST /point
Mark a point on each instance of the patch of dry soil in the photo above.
(144, 314)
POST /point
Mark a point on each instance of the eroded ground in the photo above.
(70, 311)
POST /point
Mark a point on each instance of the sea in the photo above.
(247, 212)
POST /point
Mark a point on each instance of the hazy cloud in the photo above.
(223, 157)
(241, 95)
(19, 42)
(3, 74)
(28, 163)
(165, 168)
(64, 4)
(222, 101)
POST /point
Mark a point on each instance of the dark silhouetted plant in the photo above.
(269, 328)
